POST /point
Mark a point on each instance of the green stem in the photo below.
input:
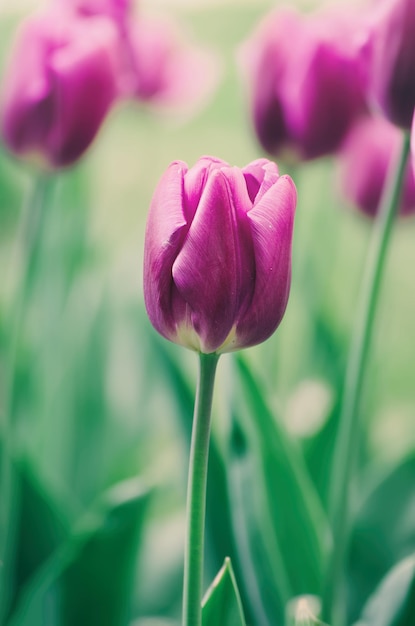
(31, 229)
(348, 439)
(196, 493)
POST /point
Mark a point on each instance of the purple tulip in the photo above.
(60, 85)
(364, 163)
(157, 65)
(163, 69)
(306, 82)
(217, 259)
(391, 53)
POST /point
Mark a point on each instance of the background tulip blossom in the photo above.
(60, 85)
(164, 69)
(364, 163)
(391, 54)
(305, 81)
(217, 260)
(157, 64)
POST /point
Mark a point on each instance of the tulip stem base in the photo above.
(196, 493)
(348, 437)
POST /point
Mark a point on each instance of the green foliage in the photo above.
(97, 585)
(91, 573)
(393, 603)
(383, 532)
(286, 481)
(222, 603)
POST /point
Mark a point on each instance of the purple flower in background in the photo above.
(364, 162)
(72, 62)
(306, 82)
(60, 85)
(157, 65)
(217, 259)
(164, 69)
(391, 60)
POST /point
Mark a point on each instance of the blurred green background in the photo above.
(103, 405)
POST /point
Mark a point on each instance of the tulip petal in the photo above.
(271, 223)
(260, 175)
(392, 60)
(61, 83)
(263, 59)
(195, 181)
(322, 125)
(83, 78)
(364, 162)
(305, 81)
(167, 71)
(239, 192)
(26, 110)
(165, 232)
(206, 271)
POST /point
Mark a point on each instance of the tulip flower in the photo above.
(305, 81)
(157, 65)
(391, 54)
(59, 87)
(217, 262)
(364, 163)
(217, 273)
(164, 69)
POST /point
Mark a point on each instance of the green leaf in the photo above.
(97, 585)
(283, 508)
(393, 604)
(39, 516)
(222, 603)
(90, 579)
(383, 533)
(33, 512)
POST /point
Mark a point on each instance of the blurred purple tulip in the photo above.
(391, 54)
(305, 81)
(364, 163)
(164, 69)
(217, 259)
(157, 65)
(60, 85)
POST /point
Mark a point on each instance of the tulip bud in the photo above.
(391, 53)
(305, 81)
(60, 84)
(364, 163)
(217, 258)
